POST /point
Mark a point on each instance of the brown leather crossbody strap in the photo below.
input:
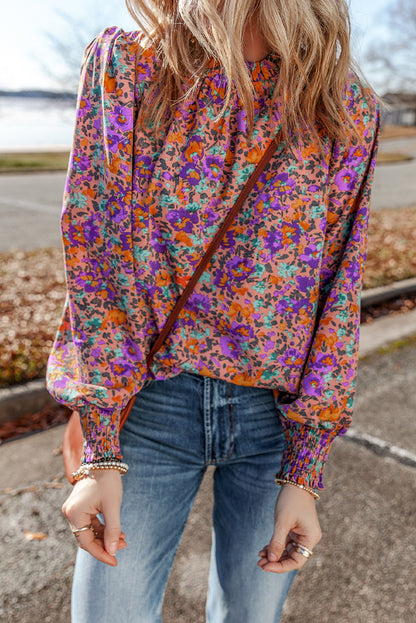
(248, 186)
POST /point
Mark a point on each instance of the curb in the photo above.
(376, 296)
(18, 400)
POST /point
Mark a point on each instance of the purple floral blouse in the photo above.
(279, 305)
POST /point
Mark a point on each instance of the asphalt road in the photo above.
(30, 204)
(361, 572)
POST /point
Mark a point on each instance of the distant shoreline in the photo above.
(39, 93)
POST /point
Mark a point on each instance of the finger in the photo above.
(284, 565)
(278, 541)
(98, 528)
(95, 547)
(264, 558)
(289, 561)
(112, 528)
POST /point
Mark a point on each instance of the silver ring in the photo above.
(75, 531)
(302, 549)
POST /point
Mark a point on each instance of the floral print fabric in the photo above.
(278, 306)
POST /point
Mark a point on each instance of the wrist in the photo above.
(283, 482)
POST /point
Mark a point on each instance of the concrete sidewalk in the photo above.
(361, 572)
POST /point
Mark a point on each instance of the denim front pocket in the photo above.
(147, 383)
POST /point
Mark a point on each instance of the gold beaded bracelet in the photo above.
(280, 481)
(86, 470)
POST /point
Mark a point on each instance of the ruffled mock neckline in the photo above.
(262, 70)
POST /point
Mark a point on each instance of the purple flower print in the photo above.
(242, 120)
(273, 241)
(120, 367)
(182, 220)
(194, 149)
(80, 161)
(157, 241)
(324, 361)
(90, 230)
(209, 216)
(244, 332)
(353, 270)
(79, 337)
(313, 384)
(291, 233)
(282, 306)
(229, 347)
(313, 188)
(212, 167)
(197, 302)
(219, 80)
(116, 209)
(144, 71)
(88, 282)
(131, 350)
(356, 155)
(122, 118)
(190, 173)
(346, 179)
(304, 283)
(310, 256)
(125, 239)
(145, 167)
(83, 108)
(239, 268)
(291, 358)
(113, 141)
(284, 184)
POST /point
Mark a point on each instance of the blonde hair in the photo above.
(311, 38)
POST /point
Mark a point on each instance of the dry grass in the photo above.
(391, 157)
(32, 291)
(32, 162)
(391, 247)
(398, 131)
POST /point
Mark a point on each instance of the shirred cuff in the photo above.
(100, 428)
(306, 452)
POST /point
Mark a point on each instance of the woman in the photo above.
(257, 375)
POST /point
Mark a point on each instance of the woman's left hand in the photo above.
(295, 519)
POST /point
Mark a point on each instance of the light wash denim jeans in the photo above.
(177, 428)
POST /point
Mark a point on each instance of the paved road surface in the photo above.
(361, 572)
(30, 204)
(395, 184)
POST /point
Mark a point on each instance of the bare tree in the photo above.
(67, 44)
(395, 56)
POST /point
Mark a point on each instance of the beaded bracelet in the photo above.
(280, 481)
(86, 469)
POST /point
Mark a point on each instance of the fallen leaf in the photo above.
(35, 536)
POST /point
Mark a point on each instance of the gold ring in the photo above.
(75, 531)
(302, 549)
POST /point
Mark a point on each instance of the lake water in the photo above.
(32, 123)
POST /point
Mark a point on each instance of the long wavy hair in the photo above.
(310, 37)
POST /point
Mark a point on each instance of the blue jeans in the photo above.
(177, 428)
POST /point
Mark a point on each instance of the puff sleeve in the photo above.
(323, 407)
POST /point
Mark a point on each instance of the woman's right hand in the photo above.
(90, 496)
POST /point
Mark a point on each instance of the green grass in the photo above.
(32, 162)
(409, 341)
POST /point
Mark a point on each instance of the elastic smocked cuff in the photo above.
(306, 452)
(101, 434)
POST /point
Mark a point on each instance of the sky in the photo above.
(25, 48)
